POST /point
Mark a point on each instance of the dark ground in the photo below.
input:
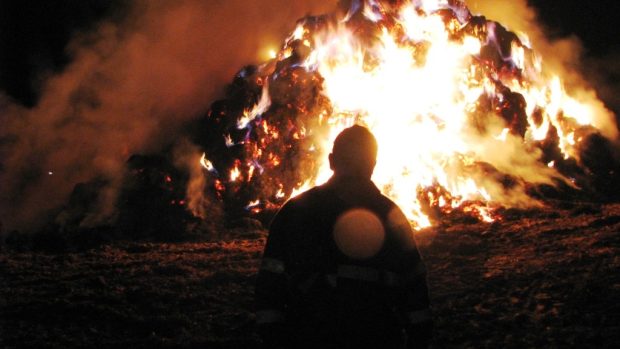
(538, 279)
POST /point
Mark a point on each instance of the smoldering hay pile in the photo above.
(469, 117)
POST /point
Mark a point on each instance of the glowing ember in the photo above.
(458, 105)
(235, 173)
(208, 165)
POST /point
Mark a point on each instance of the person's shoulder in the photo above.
(305, 199)
(386, 200)
(398, 223)
(396, 220)
(383, 200)
(297, 207)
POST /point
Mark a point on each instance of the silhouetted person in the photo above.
(341, 268)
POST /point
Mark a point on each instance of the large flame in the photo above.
(454, 100)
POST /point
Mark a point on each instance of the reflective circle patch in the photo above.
(359, 233)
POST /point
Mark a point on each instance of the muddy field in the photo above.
(543, 279)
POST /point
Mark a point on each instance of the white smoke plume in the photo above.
(129, 88)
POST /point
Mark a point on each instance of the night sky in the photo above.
(594, 22)
(34, 34)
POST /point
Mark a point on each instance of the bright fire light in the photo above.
(450, 103)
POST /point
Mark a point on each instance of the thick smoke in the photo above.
(605, 74)
(129, 89)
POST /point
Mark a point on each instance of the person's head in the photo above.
(354, 153)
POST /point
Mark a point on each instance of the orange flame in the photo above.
(452, 99)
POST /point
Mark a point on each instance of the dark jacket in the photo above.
(312, 292)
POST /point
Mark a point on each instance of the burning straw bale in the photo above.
(468, 115)
(479, 121)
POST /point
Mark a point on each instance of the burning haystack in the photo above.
(467, 115)
(469, 119)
